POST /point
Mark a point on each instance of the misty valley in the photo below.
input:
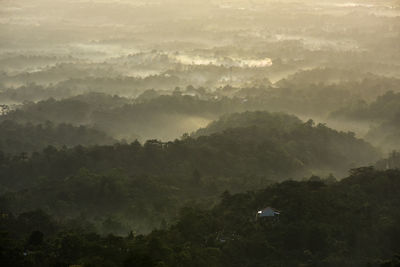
(199, 133)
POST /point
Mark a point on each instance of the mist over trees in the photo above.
(152, 133)
(309, 230)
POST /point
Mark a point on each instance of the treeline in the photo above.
(354, 222)
(160, 117)
(384, 107)
(383, 116)
(167, 115)
(391, 162)
(300, 93)
(142, 184)
(27, 138)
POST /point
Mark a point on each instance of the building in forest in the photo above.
(268, 212)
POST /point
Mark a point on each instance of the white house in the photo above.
(268, 212)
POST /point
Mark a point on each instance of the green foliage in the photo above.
(383, 117)
(26, 138)
(163, 115)
(354, 222)
(264, 120)
(134, 186)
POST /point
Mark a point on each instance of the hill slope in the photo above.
(143, 184)
(354, 222)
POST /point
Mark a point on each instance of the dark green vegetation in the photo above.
(354, 222)
(144, 184)
(26, 138)
(385, 107)
(87, 183)
(159, 117)
(383, 115)
(165, 115)
(149, 133)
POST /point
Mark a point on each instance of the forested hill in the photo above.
(142, 184)
(261, 119)
(383, 117)
(165, 117)
(385, 107)
(270, 145)
(18, 138)
(307, 143)
(354, 222)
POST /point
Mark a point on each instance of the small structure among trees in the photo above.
(268, 212)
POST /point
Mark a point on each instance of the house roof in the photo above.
(268, 209)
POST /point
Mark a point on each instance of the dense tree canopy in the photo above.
(27, 138)
(354, 222)
(142, 184)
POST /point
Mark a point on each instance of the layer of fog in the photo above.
(126, 47)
